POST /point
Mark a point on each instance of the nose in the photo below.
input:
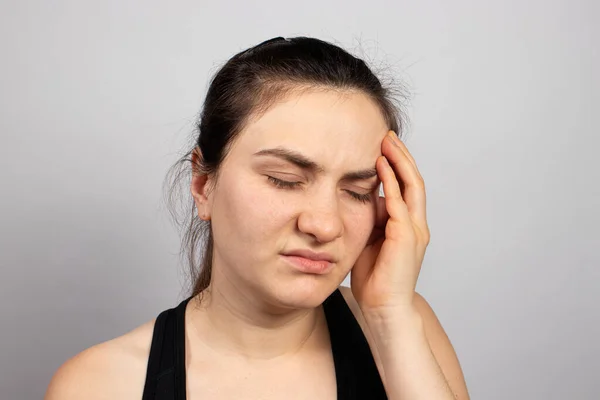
(321, 218)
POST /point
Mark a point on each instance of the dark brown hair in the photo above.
(246, 86)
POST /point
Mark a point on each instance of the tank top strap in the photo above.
(165, 373)
(356, 373)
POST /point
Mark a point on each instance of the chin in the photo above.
(303, 292)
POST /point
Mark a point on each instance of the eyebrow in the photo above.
(307, 164)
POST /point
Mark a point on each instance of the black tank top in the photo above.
(356, 373)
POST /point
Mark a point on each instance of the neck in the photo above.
(232, 322)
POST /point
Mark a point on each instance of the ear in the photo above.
(200, 186)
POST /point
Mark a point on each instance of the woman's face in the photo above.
(287, 185)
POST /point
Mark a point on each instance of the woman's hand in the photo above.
(384, 277)
(384, 280)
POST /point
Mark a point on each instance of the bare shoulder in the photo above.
(438, 340)
(115, 369)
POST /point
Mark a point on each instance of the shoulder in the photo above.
(109, 370)
(438, 340)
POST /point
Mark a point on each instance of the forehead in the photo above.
(331, 124)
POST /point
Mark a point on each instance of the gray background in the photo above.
(97, 98)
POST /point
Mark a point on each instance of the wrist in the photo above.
(395, 322)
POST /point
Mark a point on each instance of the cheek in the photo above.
(359, 225)
(245, 209)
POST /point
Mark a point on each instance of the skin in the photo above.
(260, 330)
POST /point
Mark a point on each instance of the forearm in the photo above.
(410, 369)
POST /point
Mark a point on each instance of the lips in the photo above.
(309, 262)
(311, 255)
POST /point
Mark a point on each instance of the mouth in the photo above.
(311, 255)
(310, 262)
(308, 266)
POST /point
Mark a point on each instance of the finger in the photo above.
(404, 148)
(394, 203)
(414, 195)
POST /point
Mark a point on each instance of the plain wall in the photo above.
(97, 98)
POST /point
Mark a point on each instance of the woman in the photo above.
(295, 137)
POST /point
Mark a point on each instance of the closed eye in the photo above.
(363, 198)
(283, 184)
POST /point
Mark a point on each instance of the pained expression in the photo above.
(264, 205)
